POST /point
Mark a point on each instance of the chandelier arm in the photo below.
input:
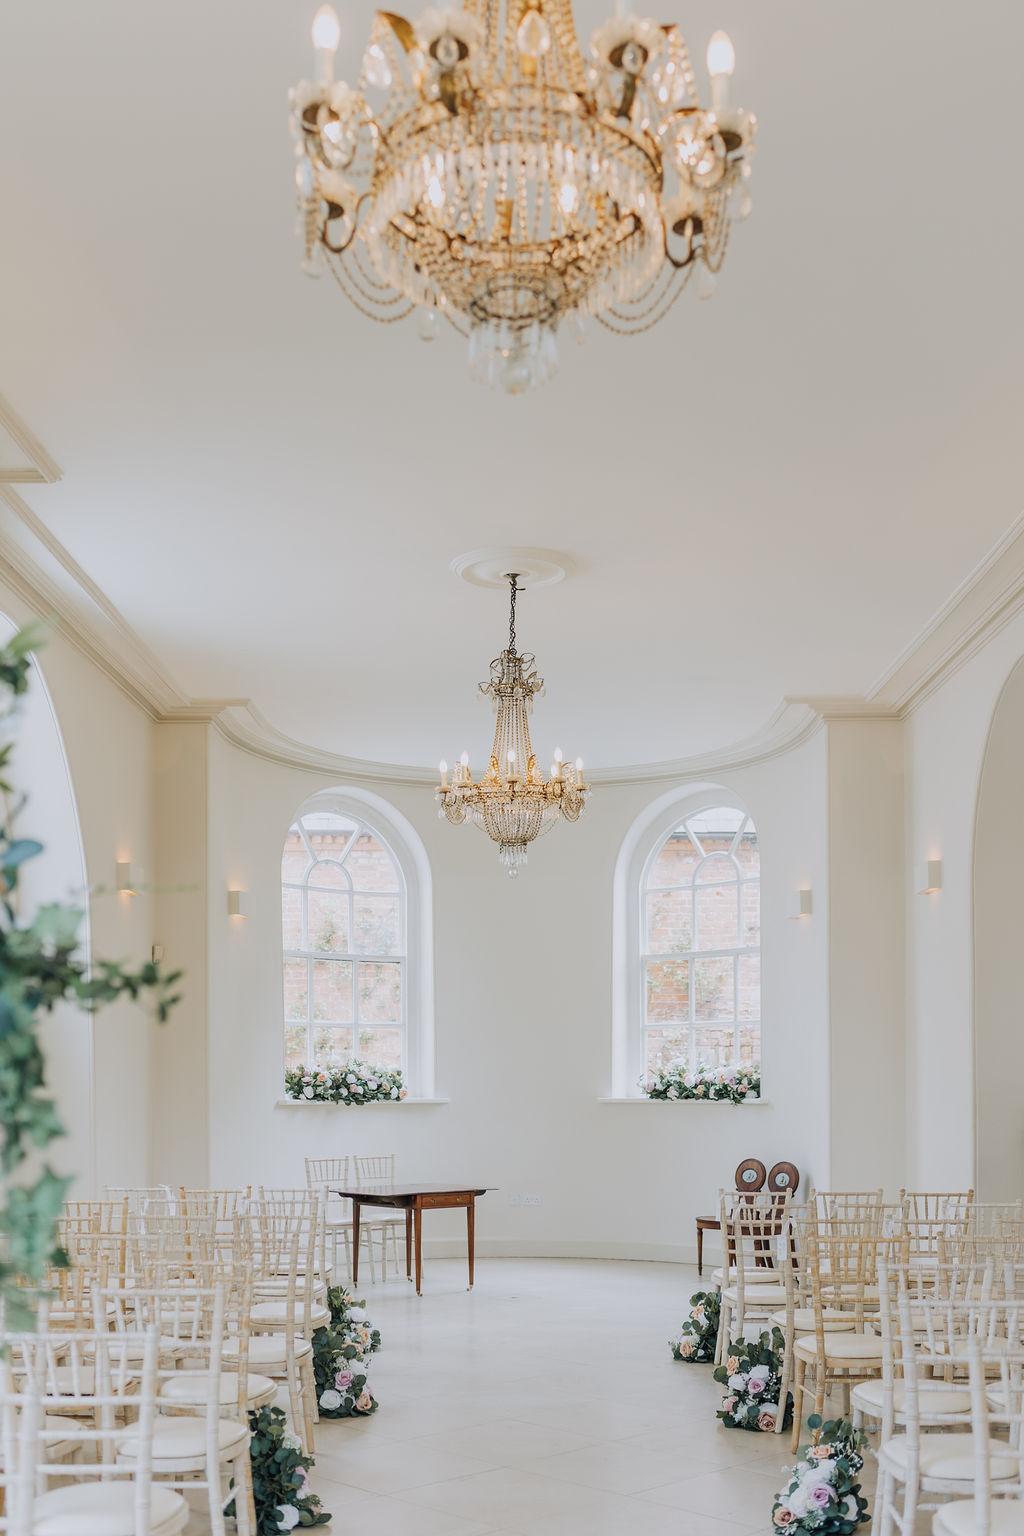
(336, 273)
(337, 250)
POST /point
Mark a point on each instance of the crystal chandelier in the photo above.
(513, 802)
(483, 171)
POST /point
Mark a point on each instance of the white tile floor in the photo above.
(545, 1403)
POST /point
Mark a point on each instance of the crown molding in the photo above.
(41, 468)
(983, 604)
(833, 707)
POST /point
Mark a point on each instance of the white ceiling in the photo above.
(768, 494)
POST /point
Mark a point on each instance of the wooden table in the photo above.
(414, 1199)
(705, 1224)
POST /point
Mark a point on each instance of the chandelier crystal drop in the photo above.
(513, 802)
(483, 169)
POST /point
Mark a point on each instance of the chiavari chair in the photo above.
(280, 1237)
(755, 1231)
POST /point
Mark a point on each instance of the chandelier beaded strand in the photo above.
(513, 802)
(482, 171)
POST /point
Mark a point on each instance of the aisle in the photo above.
(545, 1403)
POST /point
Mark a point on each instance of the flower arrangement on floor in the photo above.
(280, 1481)
(699, 1333)
(718, 1085)
(823, 1495)
(341, 1354)
(752, 1377)
(356, 1083)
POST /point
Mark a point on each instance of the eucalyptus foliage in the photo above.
(41, 965)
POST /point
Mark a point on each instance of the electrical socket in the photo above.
(514, 1200)
(531, 1199)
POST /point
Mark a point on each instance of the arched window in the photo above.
(345, 925)
(700, 940)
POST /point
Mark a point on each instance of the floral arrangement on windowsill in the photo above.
(822, 1494)
(341, 1359)
(355, 1083)
(722, 1085)
(699, 1333)
(752, 1378)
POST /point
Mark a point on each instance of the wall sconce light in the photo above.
(129, 877)
(929, 877)
(801, 903)
(237, 904)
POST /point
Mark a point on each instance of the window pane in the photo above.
(749, 987)
(329, 833)
(371, 866)
(295, 1047)
(669, 922)
(675, 863)
(332, 990)
(665, 1046)
(381, 1048)
(331, 1047)
(716, 826)
(713, 989)
(750, 1044)
(752, 913)
(295, 998)
(328, 922)
(295, 860)
(329, 876)
(747, 854)
(717, 915)
(668, 990)
(375, 920)
(717, 869)
(715, 1047)
(291, 916)
(380, 994)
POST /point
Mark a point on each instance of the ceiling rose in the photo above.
(482, 171)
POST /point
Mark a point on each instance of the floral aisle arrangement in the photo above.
(341, 1355)
(728, 1085)
(699, 1333)
(280, 1477)
(823, 1494)
(752, 1378)
(355, 1083)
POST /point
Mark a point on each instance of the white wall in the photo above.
(945, 740)
(523, 1022)
(108, 744)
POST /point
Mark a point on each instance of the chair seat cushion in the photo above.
(948, 1456)
(757, 1297)
(275, 1313)
(935, 1399)
(267, 1349)
(756, 1276)
(62, 1442)
(106, 1509)
(189, 1388)
(857, 1348)
(803, 1320)
(963, 1518)
(184, 1438)
(277, 1285)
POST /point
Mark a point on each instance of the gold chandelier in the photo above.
(483, 171)
(513, 802)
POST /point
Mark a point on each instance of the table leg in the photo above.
(408, 1242)
(471, 1235)
(418, 1225)
(355, 1242)
(700, 1250)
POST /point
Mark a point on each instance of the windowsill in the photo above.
(704, 1103)
(373, 1104)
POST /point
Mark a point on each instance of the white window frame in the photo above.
(639, 847)
(415, 953)
(694, 954)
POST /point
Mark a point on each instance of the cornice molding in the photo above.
(41, 468)
(51, 582)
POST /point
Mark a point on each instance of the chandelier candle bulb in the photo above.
(444, 774)
(326, 37)
(721, 63)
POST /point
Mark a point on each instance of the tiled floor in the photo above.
(545, 1403)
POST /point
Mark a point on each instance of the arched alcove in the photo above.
(40, 772)
(998, 927)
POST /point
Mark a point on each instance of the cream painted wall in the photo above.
(523, 1022)
(108, 742)
(945, 740)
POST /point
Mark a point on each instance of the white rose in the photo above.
(371, 1082)
(799, 1502)
(287, 1517)
(357, 1314)
(673, 1093)
(394, 1093)
(737, 1383)
(292, 1442)
(350, 1078)
(308, 1092)
(330, 1399)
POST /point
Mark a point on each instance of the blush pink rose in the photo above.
(820, 1495)
(364, 1402)
(783, 1517)
(343, 1380)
